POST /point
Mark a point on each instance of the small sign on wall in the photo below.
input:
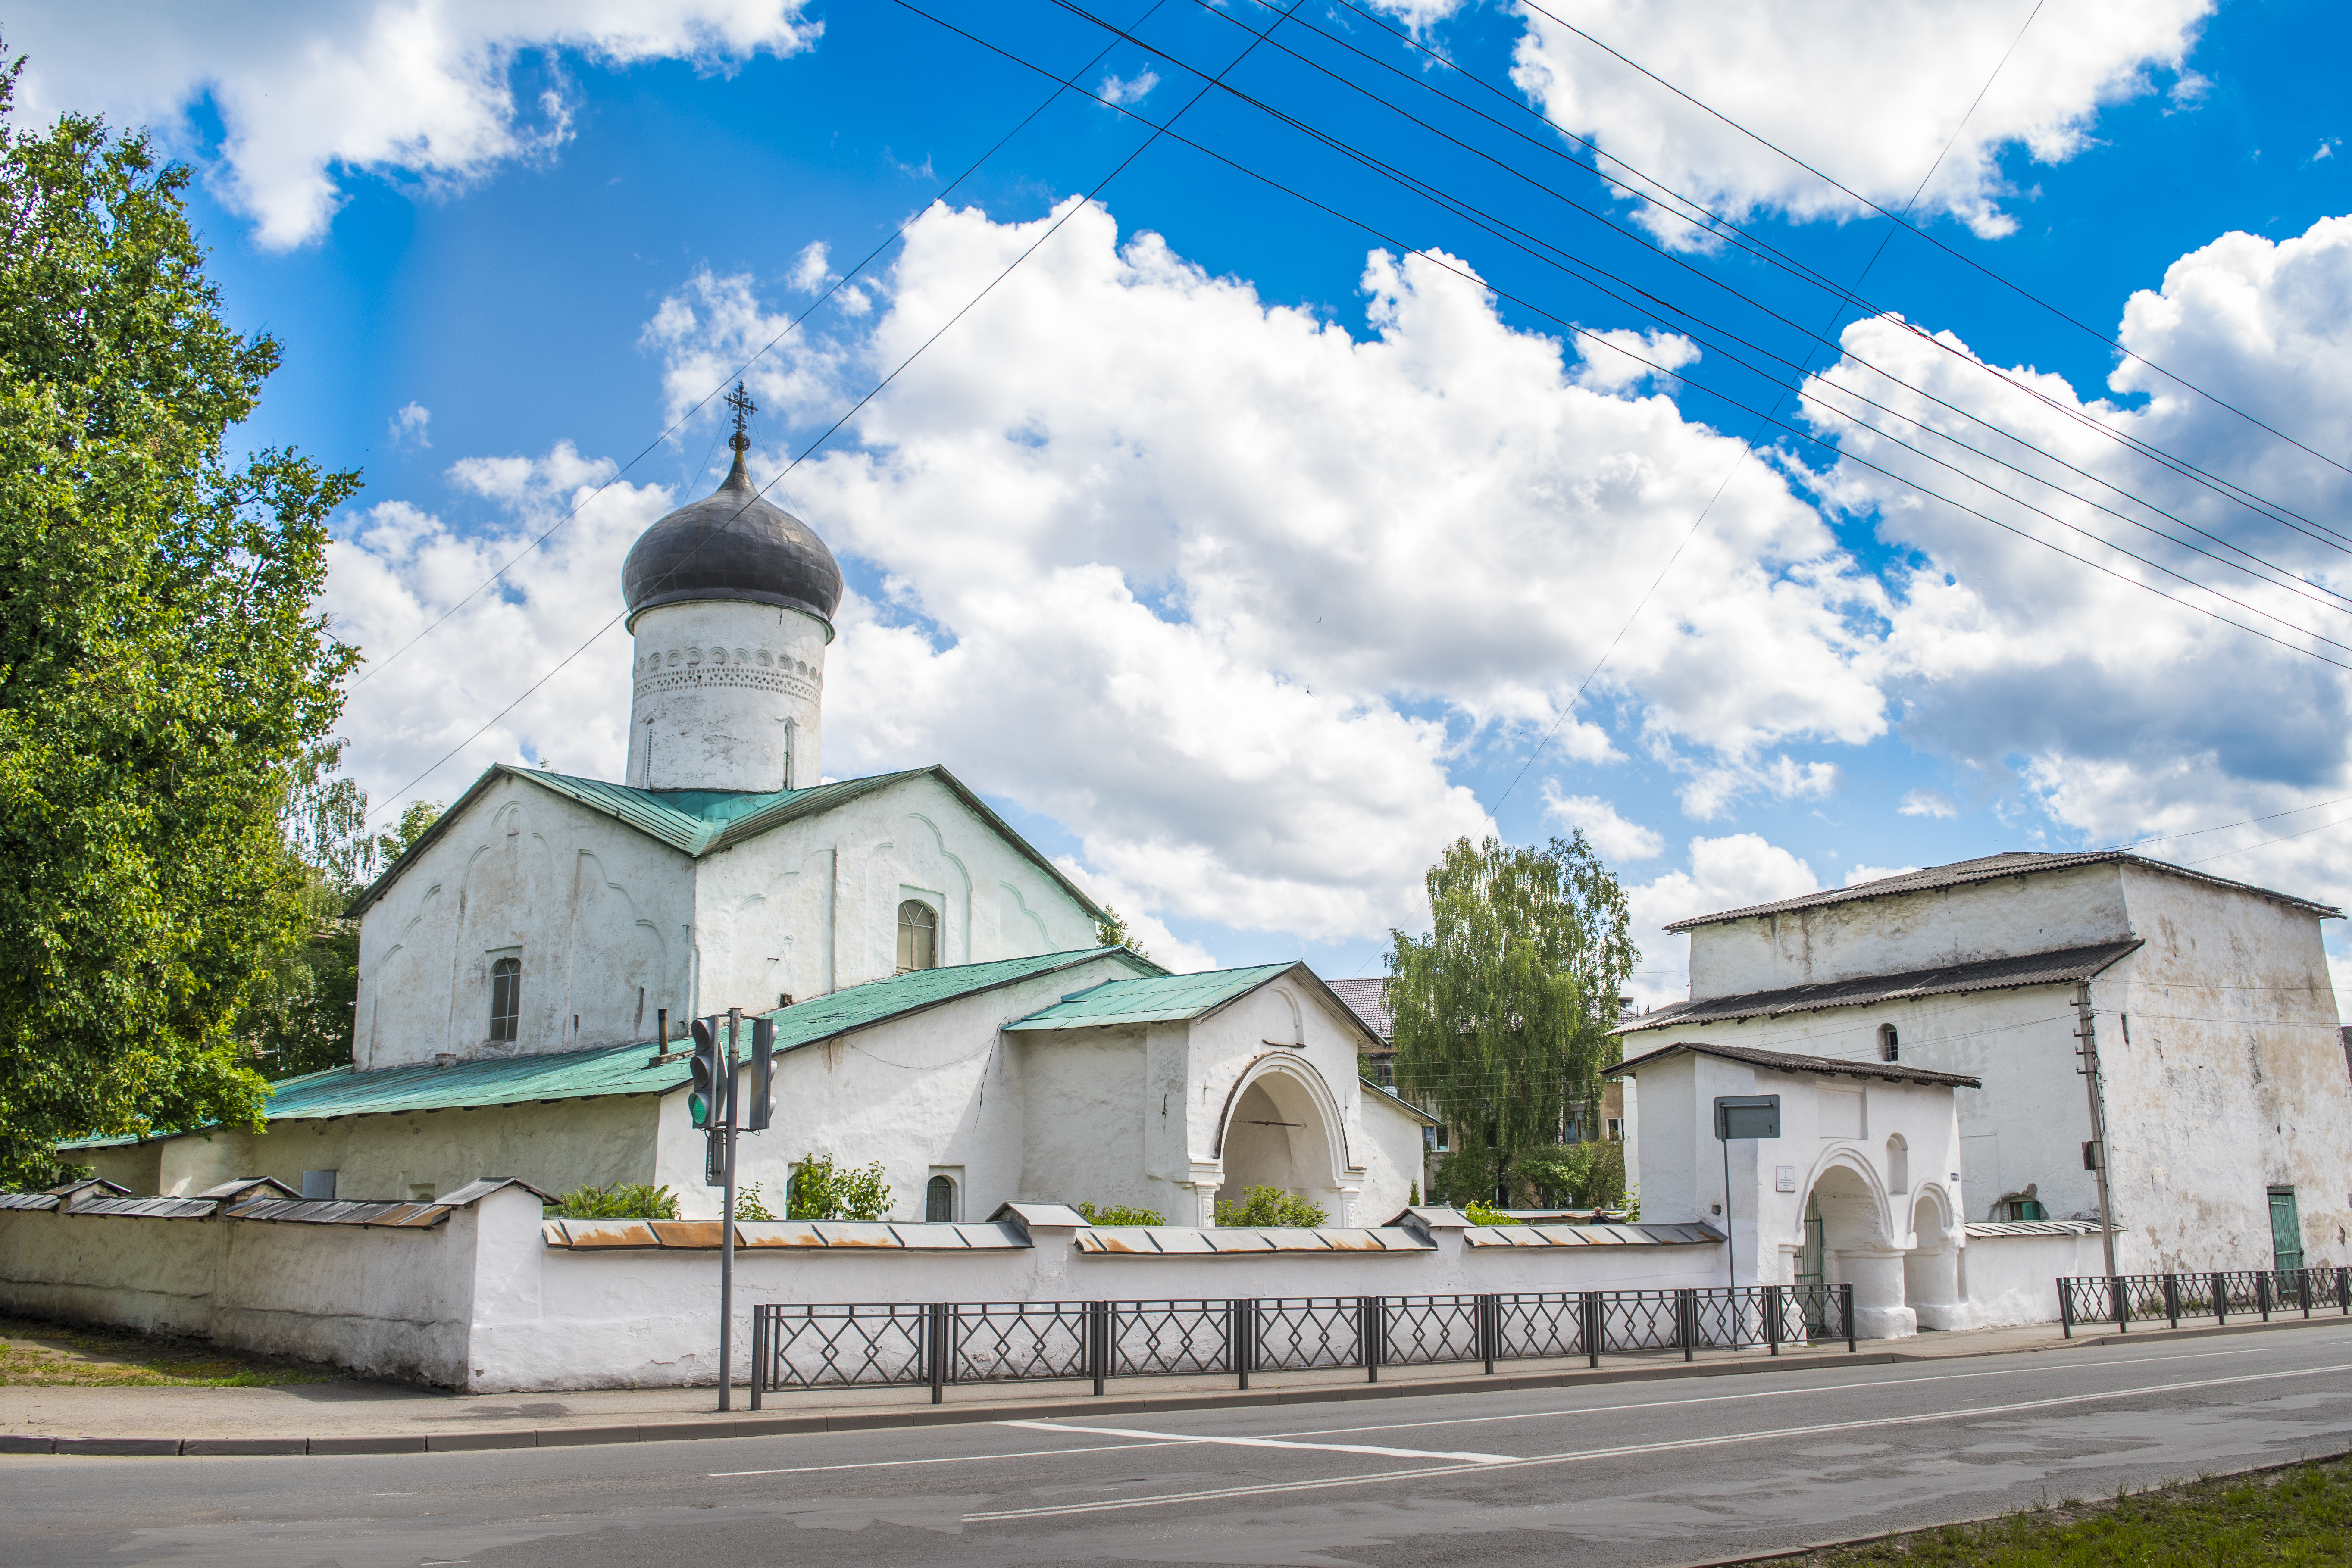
(1784, 1178)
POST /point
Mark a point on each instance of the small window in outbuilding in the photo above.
(2017, 1211)
(1890, 1046)
(918, 936)
(938, 1200)
(506, 997)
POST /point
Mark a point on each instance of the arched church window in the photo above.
(918, 936)
(1890, 1046)
(938, 1200)
(506, 997)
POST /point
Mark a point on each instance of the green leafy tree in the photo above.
(1579, 1176)
(300, 1016)
(1120, 1214)
(629, 1200)
(1503, 1011)
(1110, 931)
(164, 670)
(820, 1190)
(1270, 1207)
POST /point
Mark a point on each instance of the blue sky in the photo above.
(1245, 617)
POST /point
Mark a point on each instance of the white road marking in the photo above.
(1629, 1449)
(946, 1459)
(1270, 1443)
(1766, 1394)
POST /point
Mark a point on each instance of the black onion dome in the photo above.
(732, 544)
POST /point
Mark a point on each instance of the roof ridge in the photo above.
(2049, 966)
(1990, 868)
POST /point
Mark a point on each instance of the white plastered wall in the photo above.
(723, 695)
(812, 906)
(1892, 934)
(2225, 1077)
(942, 1088)
(600, 916)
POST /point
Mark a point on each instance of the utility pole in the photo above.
(725, 1132)
(2095, 1152)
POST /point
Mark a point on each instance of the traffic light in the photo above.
(703, 1103)
(762, 1109)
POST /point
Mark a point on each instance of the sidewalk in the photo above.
(391, 1418)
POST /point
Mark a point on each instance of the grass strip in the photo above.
(2299, 1513)
(35, 1354)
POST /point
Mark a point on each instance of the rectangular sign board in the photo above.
(1747, 1116)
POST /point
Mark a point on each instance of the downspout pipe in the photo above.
(2086, 1047)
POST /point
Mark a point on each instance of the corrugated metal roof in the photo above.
(1988, 868)
(703, 821)
(1161, 998)
(149, 1207)
(1190, 1241)
(332, 1211)
(812, 1235)
(1784, 1061)
(1369, 1000)
(1690, 1235)
(2032, 1228)
(631, 1069)
(29, 1200)
(2063, 965)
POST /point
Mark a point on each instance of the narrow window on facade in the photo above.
(2021, 1209)
(938, 1200)
(1890, 1048)
(918, 936)
(506, 997)
(1616, 1129)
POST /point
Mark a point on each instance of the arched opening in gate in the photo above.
(1281, 1133)
(1932, 1286)
(1855, 1248)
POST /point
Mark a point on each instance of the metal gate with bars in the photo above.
(943, 1342)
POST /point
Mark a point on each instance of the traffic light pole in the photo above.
(726, 1130)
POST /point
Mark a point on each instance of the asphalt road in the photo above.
(1647, 1473)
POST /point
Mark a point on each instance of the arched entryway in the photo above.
(1282, 1131)
(1932, 1287)
(1847, 1229)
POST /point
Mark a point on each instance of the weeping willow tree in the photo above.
(1503, 1011)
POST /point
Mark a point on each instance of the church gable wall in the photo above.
(595, 914)
(812, 906)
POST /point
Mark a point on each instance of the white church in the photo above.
(941, 1002)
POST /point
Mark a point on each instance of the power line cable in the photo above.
(1073, 210)
(1522, 240)
(1801, 434)
(1903, 221)
(1718, 227)
(759, 355)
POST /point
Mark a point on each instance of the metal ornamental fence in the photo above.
(2221, 1295)
(943, 1342)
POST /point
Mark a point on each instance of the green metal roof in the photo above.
(631, 1069)
(699, 822)
(1162, 999)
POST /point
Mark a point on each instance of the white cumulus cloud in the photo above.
(1616, 839)
(309, 94)
(1867, 91)
(1728, 872)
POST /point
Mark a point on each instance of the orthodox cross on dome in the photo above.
(740, 402)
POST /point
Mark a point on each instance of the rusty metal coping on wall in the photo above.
(1590, 1235)
(791, 1234)
(1238, 1240)
(331, 1211)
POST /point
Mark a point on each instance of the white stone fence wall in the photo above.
(478, 1292)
